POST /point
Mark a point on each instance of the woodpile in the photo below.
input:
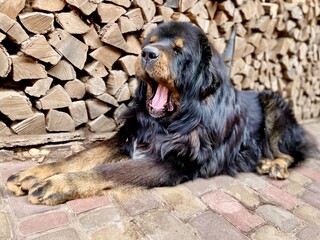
(68, 64)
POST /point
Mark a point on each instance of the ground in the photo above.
(248, 206)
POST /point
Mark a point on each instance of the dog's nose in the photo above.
(150, 53)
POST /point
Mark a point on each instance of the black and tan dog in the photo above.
(186, 122)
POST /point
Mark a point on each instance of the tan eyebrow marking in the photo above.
(153, 39)
(179, 43)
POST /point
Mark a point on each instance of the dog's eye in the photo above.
(176, 50)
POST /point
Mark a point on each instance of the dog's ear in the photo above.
(212, 68)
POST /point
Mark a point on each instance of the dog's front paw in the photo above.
(277, 168)
(52, 191)
(21, 182)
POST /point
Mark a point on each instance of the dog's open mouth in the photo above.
(161, 102)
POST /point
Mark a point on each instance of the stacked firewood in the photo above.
(66, 64)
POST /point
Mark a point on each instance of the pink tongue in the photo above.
(160, 98)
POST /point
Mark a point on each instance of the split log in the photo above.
(39, 88)
(63, 71)
(96, 69)
(4, 130)
(96, 108)
(135, 15)
(117, 115)
(94, 85)
(75, 88)
(39, 48)
(107, 55)
(110, 13)
(26, 68)
(78, 112)
(107, 98)
(102, 124)
(72, 23)
(133, 85)
(13, 29)
(70, 47)
(112, 35)
(133, 44)
(92, 39)
(37, 22)
(115, 80)
(128, 64)
(6, 62)
(148, 9)
(12, 8)
(31, 126)
(58, 121)
(14, 105)
(85, 6)
(57, 97)
(50, 6)
(123, 94)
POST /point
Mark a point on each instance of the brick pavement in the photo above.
(247, 206)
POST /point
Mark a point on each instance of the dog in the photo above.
(186, 122)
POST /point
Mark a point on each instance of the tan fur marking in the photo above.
(153, 39)
(179, 43)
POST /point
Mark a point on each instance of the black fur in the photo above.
(217, 129)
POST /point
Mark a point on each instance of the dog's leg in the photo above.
(21, 182)
(141, 173)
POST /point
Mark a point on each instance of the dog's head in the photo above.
(177, 62)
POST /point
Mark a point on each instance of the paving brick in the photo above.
(313, 198)
(277, 182)
(181, 201)
(281, 218)
(245, 195)
(64, 234)
(294, 188)
(232, 210)
(310, 173)
(9, 168)
(253, 180)
(139, 203)
(308, 213)
(299, 178)
(99, 217)
(5, 229)
(86, 204)
(160, 224)
(314, 187)
(23, 208)
(280, 197)
(124, 231)
(201, 186)
(268, 232)
(309, 233)
(43, 222)
(212, 226)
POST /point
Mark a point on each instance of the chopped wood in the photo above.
(133, 44)
(221, 18)
(102, 124)
(57, 97)
(72, 23)
(75, 88)
(107, 98)
(6, 62)
(14, 105)
(119, 112)
(37, 22)
(78, 112)
(112, 35)
(26, 68)
(212, 7)
(70, 47)
(172, 3)
(50, 6)
(2, 37)
(58, 121)
(126, 25)
(128, 64)
(110, 13)
(31, 126)
(92, 39)
(96, 69)
(123, 94)
(85, 6)
(135, 15)
(12, 8)
(148, 9)
(165, 12)
(115, 80)
(95, 85)
(63, 71)
(4, 130)
(39, 48)
(186, 4)
(96, 108)
(40, 87)
(107, 55)
(133, 84)
(228, 7)
(199, 10)
(13, 29)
